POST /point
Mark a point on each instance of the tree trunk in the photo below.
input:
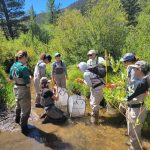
(8, 23)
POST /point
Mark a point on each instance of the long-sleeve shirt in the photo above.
(40, 69)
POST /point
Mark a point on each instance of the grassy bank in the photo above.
(6, 87)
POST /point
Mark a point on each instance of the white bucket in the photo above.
(76, 106)
(63, 97)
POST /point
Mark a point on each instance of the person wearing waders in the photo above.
(94, 60)
(48, 97)
(39, 72)
(59, 71)
(128, 59)
(135, 104)
(19, 73)
(96, 86)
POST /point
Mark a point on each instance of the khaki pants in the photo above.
(37, 90)
(135, 119)
(95, 98)
(23, 103)
(60, 80)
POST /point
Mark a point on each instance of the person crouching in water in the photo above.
(52, 113)
(96, 86)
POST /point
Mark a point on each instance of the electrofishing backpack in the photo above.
(99, 71)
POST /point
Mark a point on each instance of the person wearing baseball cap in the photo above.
(19, 73)
(128, 59)
(135, 103)
(39, 72)
(59, 71)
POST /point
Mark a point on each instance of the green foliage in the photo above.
(12, 18)
(75, 87)
(138, 39)
(132, 8)
(6, 94)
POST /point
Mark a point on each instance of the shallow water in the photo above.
(76, 134)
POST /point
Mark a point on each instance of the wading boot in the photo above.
(17, 119)
(94, 118)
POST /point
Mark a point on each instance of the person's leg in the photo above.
(37, 90)
(25, 104)
(63, 81)
(18, 108)
(135, 124)
(95, 98)
(58, 80)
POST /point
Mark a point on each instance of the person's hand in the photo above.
(66, 77)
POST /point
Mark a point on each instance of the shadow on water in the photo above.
(48, 139)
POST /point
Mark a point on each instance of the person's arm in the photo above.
(26, 75)
(55, 95)
(65, 69)
(87, 79)
(142, 87)
(53, 71)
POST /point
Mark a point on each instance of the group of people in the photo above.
(138, 84)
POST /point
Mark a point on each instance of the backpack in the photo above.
(59, 69)
(99, 71)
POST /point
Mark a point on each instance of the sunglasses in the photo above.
(90, 55)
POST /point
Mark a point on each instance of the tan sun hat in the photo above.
(90, 52)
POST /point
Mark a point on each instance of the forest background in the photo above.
(118, 26)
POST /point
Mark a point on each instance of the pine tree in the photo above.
(132, 8)
(12, 17)
(53, 11)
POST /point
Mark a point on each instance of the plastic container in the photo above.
(76, 106)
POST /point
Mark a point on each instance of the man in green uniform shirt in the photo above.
(19, 73)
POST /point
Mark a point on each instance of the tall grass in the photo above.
(6, 94)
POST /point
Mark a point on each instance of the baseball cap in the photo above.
(143, 65)
(90, 52)
(128, 57)
(57, 54)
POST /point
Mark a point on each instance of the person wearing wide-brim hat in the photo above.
(59, 71)
(94, 59)
(19, 73)
(39, 72)
(135, 103)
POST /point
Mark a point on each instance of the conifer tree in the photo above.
(12, 17)
(132, 8)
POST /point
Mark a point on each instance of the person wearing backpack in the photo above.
(48, 97)
(59, 71)
(39, 72)
(94, 60)
(135, 103)
(19, 73)
(96, 85)
(97, 62)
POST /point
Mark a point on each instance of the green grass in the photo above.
(6, 87)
